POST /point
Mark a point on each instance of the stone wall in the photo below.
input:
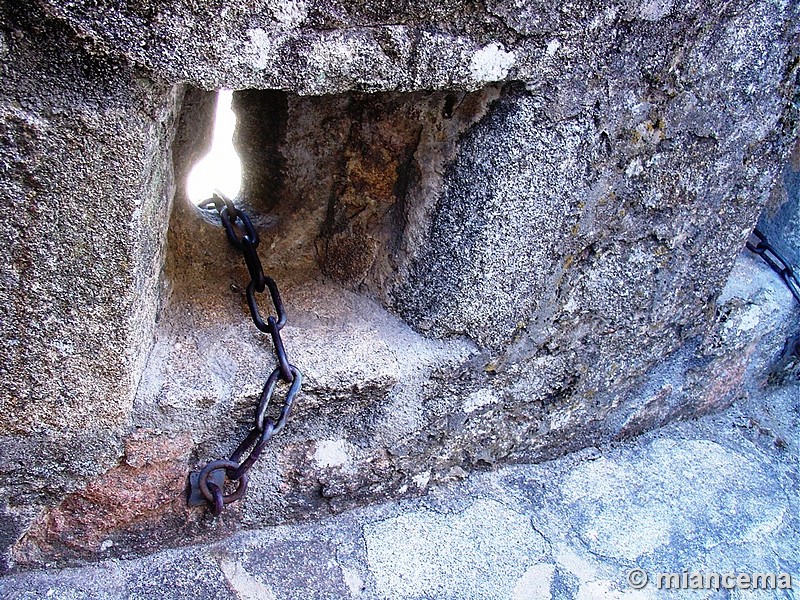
(500, 231)
(86, 190)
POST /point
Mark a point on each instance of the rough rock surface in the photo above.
(717, 494)
(86, 196)
(84, 140)
(781, 220)
(499, 257)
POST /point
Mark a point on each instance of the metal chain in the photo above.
(208, 486)
(776, 261)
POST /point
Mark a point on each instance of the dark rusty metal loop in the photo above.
(260, 439)
(253, 264)
(211, 204)
(206, 486)
(241, 234)
(280, 351)
(229, 215)
(218, 502)
(793, 286)
(229, 219)
(276, 301)
(251, 438)
(223, 201)
(266, 396)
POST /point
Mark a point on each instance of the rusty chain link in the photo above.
(776, 261)
(208, 486)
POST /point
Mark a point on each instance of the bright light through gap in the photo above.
(221, 168)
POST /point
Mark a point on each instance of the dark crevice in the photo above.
(261, 128)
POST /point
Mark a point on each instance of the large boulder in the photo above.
(500, 233)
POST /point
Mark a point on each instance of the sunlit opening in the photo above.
(221, 168)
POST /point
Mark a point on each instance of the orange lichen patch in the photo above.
(374, 175)
(144, 448)
(375, 163)
(148, 485)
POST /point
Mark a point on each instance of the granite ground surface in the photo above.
(717, 494)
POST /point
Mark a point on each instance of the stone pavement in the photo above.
(718, 494)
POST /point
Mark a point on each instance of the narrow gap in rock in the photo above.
(221, 168)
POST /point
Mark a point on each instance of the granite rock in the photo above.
(711, 495)
(503, 232)
(84, 142)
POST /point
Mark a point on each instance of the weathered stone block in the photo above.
(86, 194)
(85, 138)
(485, 259)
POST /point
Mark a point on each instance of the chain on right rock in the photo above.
(776, 261)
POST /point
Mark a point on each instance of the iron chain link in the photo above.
(209, 485)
